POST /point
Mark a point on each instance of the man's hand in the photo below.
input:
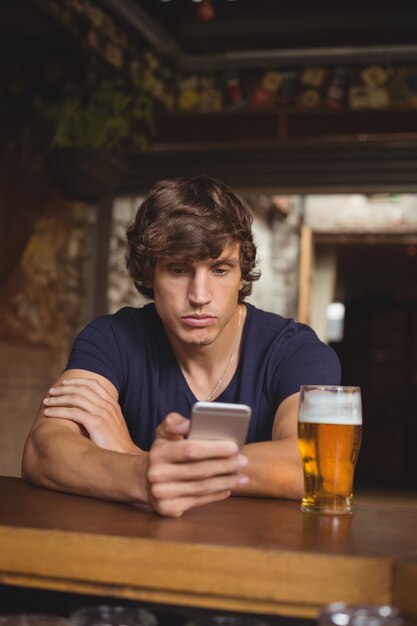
(86, 402)
(179, 473)
(186, 473)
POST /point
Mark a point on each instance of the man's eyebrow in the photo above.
(169, 259)
(231, 260)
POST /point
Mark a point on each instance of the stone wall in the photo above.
(43, 304)
(278, 244)
(121, 291)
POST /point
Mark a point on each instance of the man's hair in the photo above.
(191, 219)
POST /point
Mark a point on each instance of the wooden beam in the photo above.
(306, 262)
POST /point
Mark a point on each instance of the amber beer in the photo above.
(329, 437)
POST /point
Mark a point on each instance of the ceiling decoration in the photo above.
(231, 76)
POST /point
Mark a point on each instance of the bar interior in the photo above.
(308, 112)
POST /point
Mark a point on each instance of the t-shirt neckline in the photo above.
(233, 382)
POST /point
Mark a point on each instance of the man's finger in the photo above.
(173, 472)
(73, 414)
(177, 506)
(192, 450)
(174, 427)
(81, 391)
(76, 401)
(90, 383)
(214, 484)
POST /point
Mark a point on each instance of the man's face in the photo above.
(196, 300)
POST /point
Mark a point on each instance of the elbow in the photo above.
(298, 491)
(294, 487)
(30, 468)
(298, 483)
(292, 490)
(35, 456)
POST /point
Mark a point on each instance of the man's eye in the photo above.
(220, 271)
(178, 270)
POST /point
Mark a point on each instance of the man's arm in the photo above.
(61, 454)
(79, 443)
(275, 468)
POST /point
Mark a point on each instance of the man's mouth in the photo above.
(198, 320)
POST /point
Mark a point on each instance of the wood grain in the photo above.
(405, 585)
(257, 555)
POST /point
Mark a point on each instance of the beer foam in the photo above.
(325, 408)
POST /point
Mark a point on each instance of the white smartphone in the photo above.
(220, 420)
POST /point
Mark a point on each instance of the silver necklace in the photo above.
(219, 382)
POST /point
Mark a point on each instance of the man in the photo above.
(115, 424)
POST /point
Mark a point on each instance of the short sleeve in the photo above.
(308, 361)
(97, 350)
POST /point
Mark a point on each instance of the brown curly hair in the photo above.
(191, 219)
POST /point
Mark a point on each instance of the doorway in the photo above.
(375, 277)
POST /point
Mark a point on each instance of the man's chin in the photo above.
(199, 338)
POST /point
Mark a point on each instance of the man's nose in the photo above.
(200, 289)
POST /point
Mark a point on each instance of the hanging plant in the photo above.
(109, 119)
(93, 128)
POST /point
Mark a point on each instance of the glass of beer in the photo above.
(329, 437)
(360, 615)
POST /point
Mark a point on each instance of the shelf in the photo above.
(276, 126)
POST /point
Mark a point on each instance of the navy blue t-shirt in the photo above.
(130, 348)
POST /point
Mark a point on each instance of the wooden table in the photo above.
(244, 554)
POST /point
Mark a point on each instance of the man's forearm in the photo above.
(61, 459)
(274, 470)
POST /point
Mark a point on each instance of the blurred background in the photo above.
(307, 110)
